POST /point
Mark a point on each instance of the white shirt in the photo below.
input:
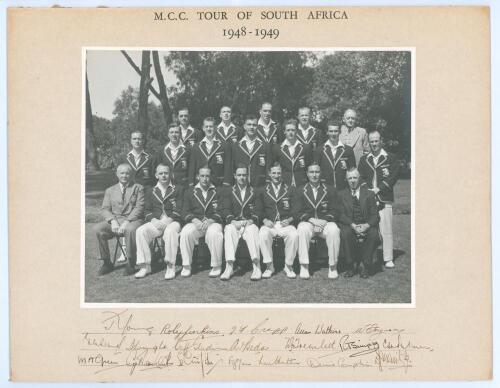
(355, 193)
(315, 191)
(305, 132)
(208, 143)
(250, 143)
(276, 189)
(204, 192)
(291, 148)
(265, 126)
(184, 131)
(376, 158)
(162, 189)
(225, 129)
(173, 150)
(137, 157)
(242, 192)
(334, 147)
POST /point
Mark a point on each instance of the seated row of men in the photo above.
(223, 215)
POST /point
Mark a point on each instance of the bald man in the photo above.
(123, 212)
(353, 136)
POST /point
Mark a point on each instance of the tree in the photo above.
(90, 141)
(142, 122)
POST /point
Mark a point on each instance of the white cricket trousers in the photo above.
(232, 236)
(290, 237)
(330, 233)
(386, 231)
(145, 235)
(213, 238)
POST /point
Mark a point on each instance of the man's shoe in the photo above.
(389, 264)
(105, 269)
(257, 273)
(332, 273)
(186, 271)
(129, 270)
(228, 272)
(289, 272)
(304, 272)
(170, 272)
(349, 273)
(143, 272)
(268, 272)
(121, 259)
(215, 272)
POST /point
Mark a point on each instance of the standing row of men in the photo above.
(311, 169)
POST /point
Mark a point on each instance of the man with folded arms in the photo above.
(379, 170)
(203, 218)
(241, 222)
(359, 221)
(317, 210)
(123, 212)
(274, 206)
(163, 208)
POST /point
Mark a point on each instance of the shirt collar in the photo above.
(222, 125)
(307, 129)
(329, 142)
(170, 184)
(189, 127)
(171, 146)
(246, 138)
(382, 152)
(261, 123)
(356, 192)
(134, 154)
(198, 186)
(205, 140)
(286, 142)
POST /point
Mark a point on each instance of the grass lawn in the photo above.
(387, 286)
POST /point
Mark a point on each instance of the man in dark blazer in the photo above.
(252, 152)
(317, 211)
(242, 221)
(267, 130)
(334, 158)
(203, 217)
(293, 156)
(275, 208)
(213, 153)
(306, 133)
(123, 212)
(379, 170)
(163, 218)
(227, 131)
(359, 225)
(189, 135)
(176, 156)
(140, 161)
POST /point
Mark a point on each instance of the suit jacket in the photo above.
(178, 166)
(367, 202)
(334, 167)
(234, 208)
(234, 134)
(386, 173)
(170, 205)
(293, 168)
(314, 137)
(130, 209)
(272, 207)
(192, 137)
(218, 159)
(143, 171)
(195, 206)
(275, 135)
(357, 139)
(326, 206)
(257, 161)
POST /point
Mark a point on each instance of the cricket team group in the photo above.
(257, 183)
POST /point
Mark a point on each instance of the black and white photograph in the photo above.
(266, 177)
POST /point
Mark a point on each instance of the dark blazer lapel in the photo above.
(237, 194)
(189, 133)
(157, 194)
(143, 160)
(168, 154)
(308, 193)
(370, 162)
(256, 147)
(282, 192)
(338, 154)
(328, 152)
(199, 196)
(381, 160)
(182, 151)
(131, 160)
(244, 148)
(169, 192)
(321, 193)
(270, 191)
